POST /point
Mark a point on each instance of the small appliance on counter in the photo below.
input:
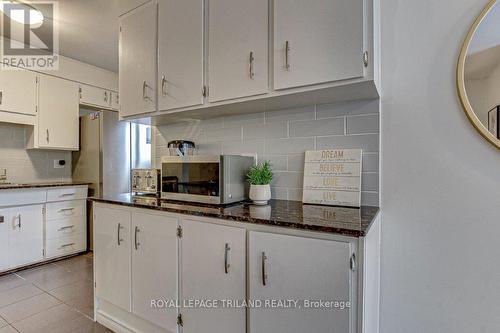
(145, 186)
(146, 181)
(218, 179)
(181, 148)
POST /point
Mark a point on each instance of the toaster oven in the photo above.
(216, 179)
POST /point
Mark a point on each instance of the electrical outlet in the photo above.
(59, 164)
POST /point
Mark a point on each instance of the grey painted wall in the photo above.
(29, 165)
(440, 180)
(283, 136)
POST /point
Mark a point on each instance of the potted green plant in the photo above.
(260, 177)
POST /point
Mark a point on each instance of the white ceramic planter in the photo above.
(260, 194)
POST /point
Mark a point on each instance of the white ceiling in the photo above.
(88, 31)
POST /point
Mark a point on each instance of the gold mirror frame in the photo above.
(461, 78)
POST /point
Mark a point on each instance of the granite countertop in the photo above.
(351, 222)
(9, 186)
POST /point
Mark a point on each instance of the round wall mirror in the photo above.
(478, 74)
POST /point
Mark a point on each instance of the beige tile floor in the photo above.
(53, 298)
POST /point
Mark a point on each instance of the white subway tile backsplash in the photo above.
(289, 146)
(331, 126)
(288, 179)
(274, 130)
(277, 162)
(283, 136)
(24, 165)
(295, 194)
(370, 162)
(296, 162)
(224, 134)
(291, 114)
(370, 198)
(363, 124)
(279, 193)
(369, 182)
(243, 147)
(368, 142)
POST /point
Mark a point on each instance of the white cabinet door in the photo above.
(138, 54)
(112, 246)
(4, 239)
(295, 268)
(180, 42)
(154, 268)
(25, 226)
(94, 96)
(213, 268)
(115, 101)
(58, 114)
(238, 48)
(18, 91)
(317, 41)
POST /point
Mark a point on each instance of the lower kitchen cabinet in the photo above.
(41, 224)
(213, 267)
(112, 248)
(25, 233)
(172, 260)
(4, 239)
(154, 268)
(297, 268)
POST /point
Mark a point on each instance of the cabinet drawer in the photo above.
(20, 197)
(65, 245)
(66, 193)
(65, 227)
(65, 209)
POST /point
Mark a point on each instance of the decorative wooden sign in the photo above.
(333, 177)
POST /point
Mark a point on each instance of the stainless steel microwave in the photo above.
(216, 179)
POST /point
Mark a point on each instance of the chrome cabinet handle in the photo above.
(106, 96)
(2, 219)
(66, 195)
(163, 85)
(48, 135)
(66, 209)
(66, 245)
(19, 219)
(1, 97)
(136, 243)
(120, 240)
(264, 275)
(226, 261)
(287, 55)
(353, 262)
(251, 60)
(144, 94)
(66, 228)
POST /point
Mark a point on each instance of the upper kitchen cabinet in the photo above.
(115, 101)
(238, 48)
(138, 57)
(58, 114)
(317, 41)
(18, 89)
(95, 97)
(180, 63)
